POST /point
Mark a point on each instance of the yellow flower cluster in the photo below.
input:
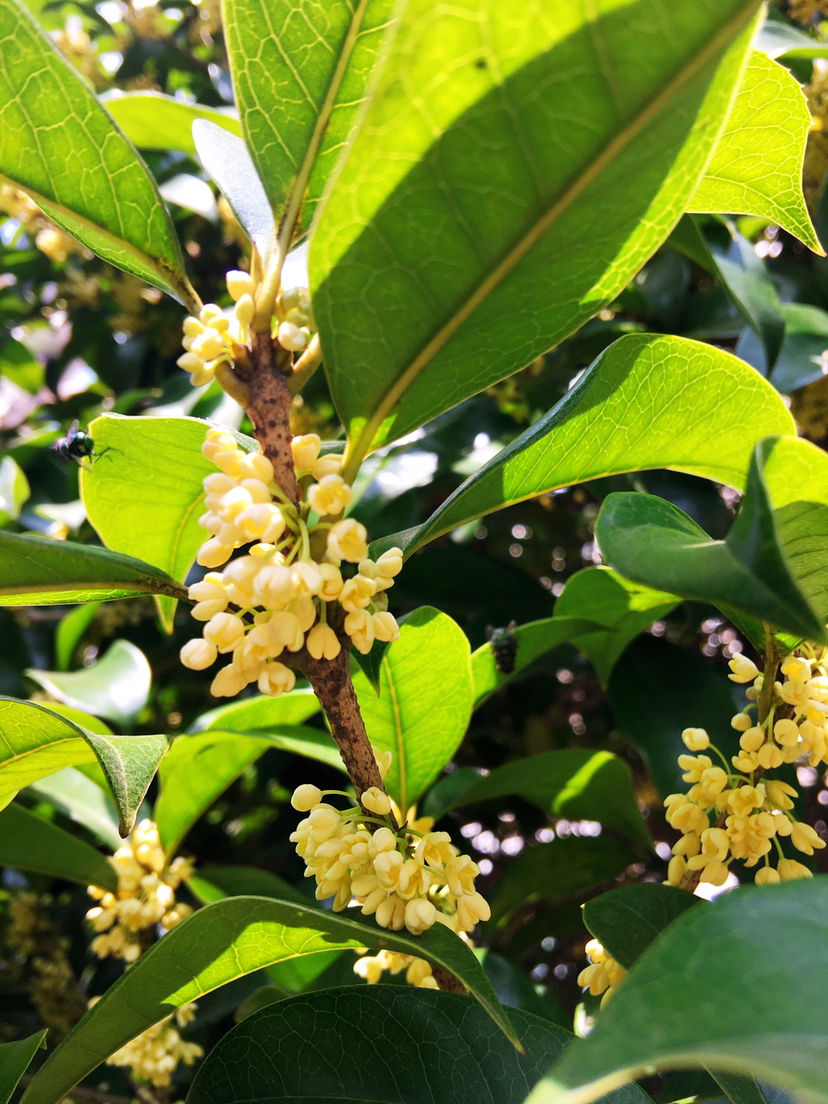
(278, 598)
(603, 975)
(417, 971)
(154, 1054)
(145, 895)
(750, 816)
(216, 336)
(406, 879)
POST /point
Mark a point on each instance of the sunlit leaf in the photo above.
(153, 121)
(116, 686)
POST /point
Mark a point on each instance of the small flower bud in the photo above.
(376, 801)
(306, 798)
(239, 284)
(742, 669)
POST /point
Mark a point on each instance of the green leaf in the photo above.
(781, 40)
(261, 713)
(534, 640)
(14, 1061)
(624, 609)
(219, 943)
(81, 799)
(424, 702)
(661, 1016)
(227, 159)
(500, 185)
(30, 843)
(58, 144)
(659, 689)
(568, 865)
(575, 783)
(116, 686)
(156, 122)
(647, 401)
(626, 920)
(300, 78)
(149, 498)
(70, 630)
(199, 768)
(747, 1090)
(756, 168)
(800, 358)
(37, 742)
(213, 883)
(444, 1048)
(14, 489)
(38, 572)
(653, 542)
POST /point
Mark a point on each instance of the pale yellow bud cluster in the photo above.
(603, 975)
(209, 339)
(294, 317)
(278, 598)
(144, 899)
(749, 817)
(417, 971)
(406, 878)
(154, 1054)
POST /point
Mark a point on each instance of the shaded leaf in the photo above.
(30, 843)
(14, 1061)
(750, 175)
(103, 193)
(647, 401)
(505, 187)
(424, 702)
(212, 883)
(576, 783)
(661, 1016)
(39, 572)
(218, 943)
(626, 920)
(116, 686)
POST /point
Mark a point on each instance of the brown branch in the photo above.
(269, 407)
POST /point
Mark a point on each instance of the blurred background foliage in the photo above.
(78, 337)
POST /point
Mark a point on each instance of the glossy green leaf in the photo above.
(800, 358)
(424, 702)
(149, 498)
(58, 144)
(14, 1061)
(35, 571)
(37, 742)
(747, 1090)
(535, 639)
(212, 883)
(153, 121)
(623, 609)
(657, 690)
(300, 78)
(778, 39)
(505, 188)
(568, 865)
(30, 843)
(199, 768)
(756, 168)
(116, 686)
(653, 542)
(261, 713)
(223, 941)
(648, 401)
(444, 1048)
(661, 1017)
(626, 920)
(575, 783)
(228, 161)
(748, 283)
(81, 799)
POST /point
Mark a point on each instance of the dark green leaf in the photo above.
(116, 686)
(424, 702)
(770, 1020)
(102, 192)
(14, 1061)
(223, 941)
(626, 920)
(215, 882)
(477, 169)
(624, 609)
(69, 632)
(646, 402)
(575, 783)
(385, 1045)
(27, 842)
(38, 572)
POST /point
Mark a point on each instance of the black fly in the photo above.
(504, 647)
(76, 445)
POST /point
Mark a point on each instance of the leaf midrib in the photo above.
(359, 447)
